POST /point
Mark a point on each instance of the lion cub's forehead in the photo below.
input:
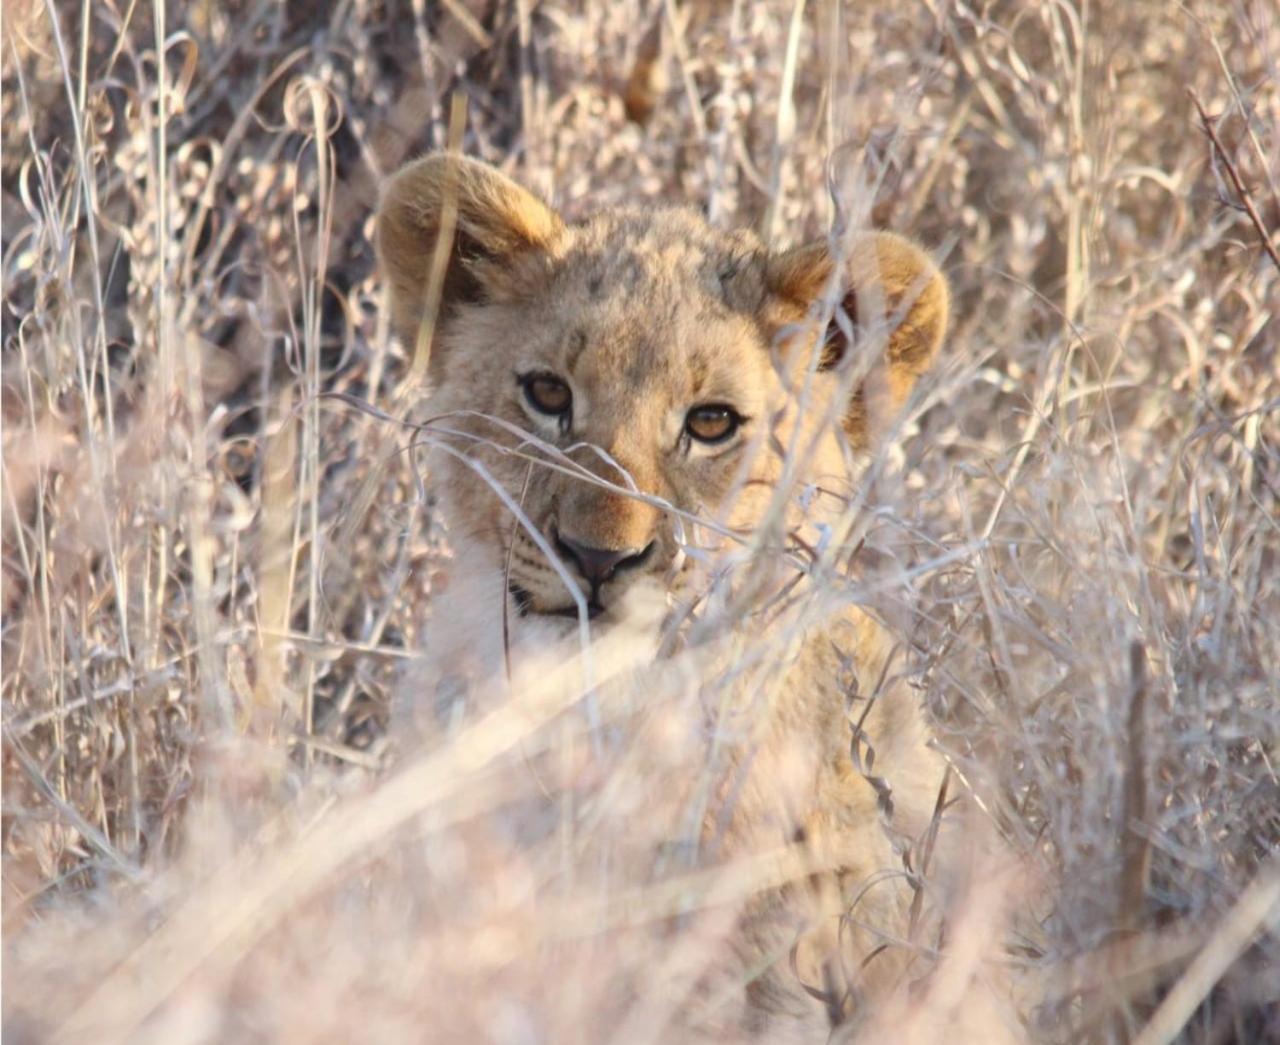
(671, 257)
(660, 298)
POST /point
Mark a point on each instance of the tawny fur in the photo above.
(646, 313)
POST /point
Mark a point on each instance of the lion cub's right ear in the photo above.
(890, 283)
(499, 229)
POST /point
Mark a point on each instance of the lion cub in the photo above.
(650, 428)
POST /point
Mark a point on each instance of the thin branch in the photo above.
(1245, 199)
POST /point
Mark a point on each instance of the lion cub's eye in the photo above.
(547, 394)
(714, 423)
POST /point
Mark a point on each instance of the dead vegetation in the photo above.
(214, 575)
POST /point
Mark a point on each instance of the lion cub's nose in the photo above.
(598, 565)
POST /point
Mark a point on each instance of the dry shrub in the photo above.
(213, 576)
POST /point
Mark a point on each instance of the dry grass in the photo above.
(213, 576)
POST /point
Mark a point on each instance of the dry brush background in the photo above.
(214, 578)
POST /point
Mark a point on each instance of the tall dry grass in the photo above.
(214, 577)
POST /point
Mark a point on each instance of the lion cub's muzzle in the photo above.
(601, 544)
(598, 566)
(601, 572)
(594, 566)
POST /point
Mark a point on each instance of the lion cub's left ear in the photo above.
(889, 285)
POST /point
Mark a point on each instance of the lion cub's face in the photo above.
(668, 361)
